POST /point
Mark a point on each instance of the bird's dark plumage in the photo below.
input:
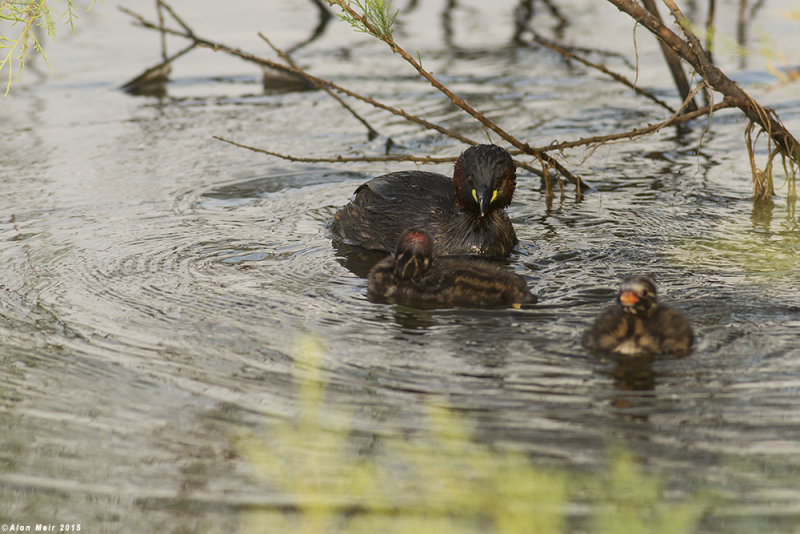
(413, 277)
(465, 214)
(638, 324)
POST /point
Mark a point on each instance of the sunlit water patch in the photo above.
(760, 240)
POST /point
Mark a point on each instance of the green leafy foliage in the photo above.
(26, 19)
(375, 18)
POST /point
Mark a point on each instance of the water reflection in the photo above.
(761, 217)
(154, 81)
(526, 11)
(324, 18)
(154, 283)
(357, 260)
(634, 383)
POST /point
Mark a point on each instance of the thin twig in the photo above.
(372, 133)
(673, 61)
(157, 73)
(178, 19)
(696, 56)
(354, 159)
(568, 54)
(342, 159)
(478, 115)
(317, 81)
(160, 13)
(206, 43)
(640, 132)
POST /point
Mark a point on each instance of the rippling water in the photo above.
(156, 282)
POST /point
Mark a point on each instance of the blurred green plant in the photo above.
(629, 501)
(439, 480)
(26, 18)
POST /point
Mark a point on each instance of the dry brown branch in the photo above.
(692, 52)
(673, 61)
(160, 12)
(569, 55)
(342, 159)
(758, 185)
(356, 159)
(689, 49)
(187, 33)
(455, 99)
(220, 47)
(640, 132)
(177, 19)
(372, 133)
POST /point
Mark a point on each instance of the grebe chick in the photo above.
(638, 324)
(414, 277)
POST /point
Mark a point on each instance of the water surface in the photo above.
(156, 282)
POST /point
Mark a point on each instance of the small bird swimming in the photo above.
(639, 325)
(414, 277)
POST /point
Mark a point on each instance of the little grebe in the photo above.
(411, 276)
(463, 215)
(638, 324)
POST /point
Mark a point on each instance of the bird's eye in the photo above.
(494, 195)
(475, 196)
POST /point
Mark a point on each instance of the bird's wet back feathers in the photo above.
(463, 215)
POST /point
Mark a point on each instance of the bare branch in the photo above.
(695, 55)
(199, 41)
(602, 68)
(478, 115)
(673, 61)
(353, 159)
(641, 132)
(342, 159)
(372, 133)
(220, 47)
